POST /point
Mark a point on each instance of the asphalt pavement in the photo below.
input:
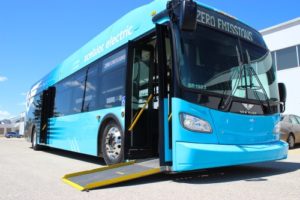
(29, 175)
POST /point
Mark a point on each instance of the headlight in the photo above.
(194, 123)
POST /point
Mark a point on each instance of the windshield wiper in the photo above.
(254, 88)
(239, 71)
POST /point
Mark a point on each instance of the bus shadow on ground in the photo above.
(255, 172)
(92, 159)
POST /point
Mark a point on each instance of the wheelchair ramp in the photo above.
(112, 174)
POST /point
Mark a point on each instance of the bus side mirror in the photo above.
(282, 96)
(188, 15)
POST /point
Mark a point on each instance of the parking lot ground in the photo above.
(29, 175)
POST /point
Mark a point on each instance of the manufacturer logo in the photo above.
(248, 106)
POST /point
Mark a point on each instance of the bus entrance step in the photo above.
(112, 174)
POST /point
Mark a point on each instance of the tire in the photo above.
(291, 141)
(34, 144)
(112, 143)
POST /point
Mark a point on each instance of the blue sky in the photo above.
(37, 35)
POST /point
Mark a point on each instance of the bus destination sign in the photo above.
(227, 24)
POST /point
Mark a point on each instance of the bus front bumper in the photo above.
(192, 156)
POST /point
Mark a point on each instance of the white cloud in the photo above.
(4, 114)
(3, 78)
(23, 93)
(22, 104)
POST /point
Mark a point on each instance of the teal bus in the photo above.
(174, 80)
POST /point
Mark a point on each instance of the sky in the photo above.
(36, 35)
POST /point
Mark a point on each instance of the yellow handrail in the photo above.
(170, 117)
(44, 127)
(140, 113)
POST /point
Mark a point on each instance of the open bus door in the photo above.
(164, 55)
(141, 134)
(148, 98)
(46, 112)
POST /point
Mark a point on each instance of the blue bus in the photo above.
(174, 80)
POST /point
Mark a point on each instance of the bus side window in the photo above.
(91, 90)
(112, 88)
(77, 85)
(112, 80)
(63, 98)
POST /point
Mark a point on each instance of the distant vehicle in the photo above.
(290, 129)
(12, 134)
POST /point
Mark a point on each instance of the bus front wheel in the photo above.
(112, 144)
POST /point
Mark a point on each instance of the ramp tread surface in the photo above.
(112, 174)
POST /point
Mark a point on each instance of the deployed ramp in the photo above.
(112, 174)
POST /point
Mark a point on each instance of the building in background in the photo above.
(284, 42)
(15, 124)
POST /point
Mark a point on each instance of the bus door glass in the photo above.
(46, 112)
(143, 122)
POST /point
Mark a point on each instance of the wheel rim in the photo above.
(113, 143)
(291, 141)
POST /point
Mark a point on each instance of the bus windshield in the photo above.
(216, 62)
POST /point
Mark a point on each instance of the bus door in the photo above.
(141, 135)
(164, 56)
(47, 103)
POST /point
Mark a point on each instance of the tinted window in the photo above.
(112, 82)
(91, 89)
(286, 58)
(77, 85)
(102, 86)
(114, 61)
(63, 96)
(69, 95)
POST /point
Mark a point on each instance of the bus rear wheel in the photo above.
(112, 144)
(34, 144)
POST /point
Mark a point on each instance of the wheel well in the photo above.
(109, 118)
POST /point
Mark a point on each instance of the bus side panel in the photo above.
(79, 132)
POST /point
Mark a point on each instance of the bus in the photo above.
(175, 80)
